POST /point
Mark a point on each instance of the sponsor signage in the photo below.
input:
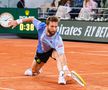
(84, 30)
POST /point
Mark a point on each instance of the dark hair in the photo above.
(51, 19)
(21, 4)
(53, 3)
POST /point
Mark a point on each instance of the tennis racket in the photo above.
(78, 78)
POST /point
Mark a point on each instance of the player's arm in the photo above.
(14, 23)
(60, 50)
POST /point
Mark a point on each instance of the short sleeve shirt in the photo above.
(45, 43)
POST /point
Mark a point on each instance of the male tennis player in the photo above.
(50, 44)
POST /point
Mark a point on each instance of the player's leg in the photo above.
(35, 69)
(39, 60)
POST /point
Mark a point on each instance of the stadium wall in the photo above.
(93, 31)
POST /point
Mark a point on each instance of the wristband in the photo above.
(19, 21)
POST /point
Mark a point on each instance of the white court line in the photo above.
(3, 53)
(88, 53)
(50, 75)
(84, 52)
(99, 51)
(24, 45)
(86, 47)
(16, 77)
(101, 73)
(88, 50)
(1, 88)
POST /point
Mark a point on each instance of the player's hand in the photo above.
(13, 23)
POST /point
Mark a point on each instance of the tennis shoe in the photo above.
(29, 72)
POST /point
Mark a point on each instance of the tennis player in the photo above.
(50, 44)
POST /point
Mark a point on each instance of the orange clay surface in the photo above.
(90, 60)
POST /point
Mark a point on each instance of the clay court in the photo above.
(90, 60)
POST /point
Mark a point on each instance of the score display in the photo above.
(26, 27)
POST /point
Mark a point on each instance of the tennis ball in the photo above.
(38, 61)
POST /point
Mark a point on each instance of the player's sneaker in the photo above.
(29, 72)
(61, 79)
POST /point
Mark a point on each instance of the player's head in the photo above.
(51, 25)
